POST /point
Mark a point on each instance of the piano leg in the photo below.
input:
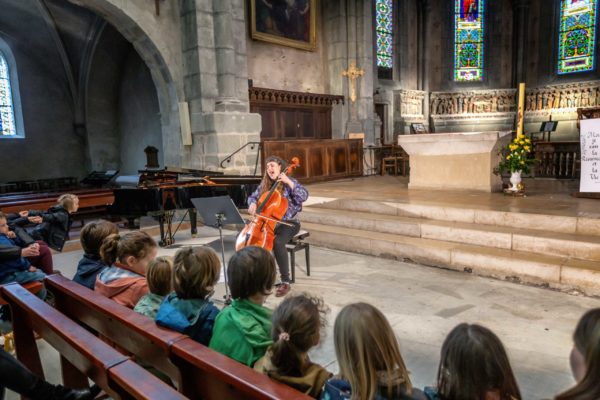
(165, 224)
(193, 222)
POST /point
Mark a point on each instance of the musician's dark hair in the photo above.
(117, 247)
(297, 324)
(586, 340)
(250, 271)
(474, 362)
(93, 234)
(266, 183)
(195, 272)
(159, 275)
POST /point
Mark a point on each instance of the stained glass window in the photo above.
(385, 30)
(577, 36)
(468, 40)
(7, 118)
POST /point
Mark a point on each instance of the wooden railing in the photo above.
(560, 160)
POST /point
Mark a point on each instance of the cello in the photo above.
(271, 208)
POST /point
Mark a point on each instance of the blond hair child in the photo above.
(371, 366)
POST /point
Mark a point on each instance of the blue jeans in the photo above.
(23, 277)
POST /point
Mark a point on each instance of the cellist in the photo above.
(296, 194)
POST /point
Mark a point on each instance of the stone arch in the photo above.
(136, 22)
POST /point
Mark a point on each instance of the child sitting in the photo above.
(474, 365)
(18, 269)
(55, 223)
(243, 330)
(585, 359)
(371, 366)
(128, 256)
(188, 310)
(158, 276)
(297, 325)
(91, 237)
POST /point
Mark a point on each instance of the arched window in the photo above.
(469, 18)
(7, 113)
(385, 35)
(577, 36)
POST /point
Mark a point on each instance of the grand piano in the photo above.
(159, 192)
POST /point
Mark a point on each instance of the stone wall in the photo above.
(408, 108)
(287, 68)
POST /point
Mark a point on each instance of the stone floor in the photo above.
(423, 304)
(547, 196)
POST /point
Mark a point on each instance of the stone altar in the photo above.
(462, 160)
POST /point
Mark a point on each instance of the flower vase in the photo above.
(515, 179)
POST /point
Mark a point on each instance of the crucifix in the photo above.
(353, 73)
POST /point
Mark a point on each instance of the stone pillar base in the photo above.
(217, 135)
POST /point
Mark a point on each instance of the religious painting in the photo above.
(577, 36)
(468, 40)
(285, 22)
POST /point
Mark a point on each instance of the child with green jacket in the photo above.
(242, 331)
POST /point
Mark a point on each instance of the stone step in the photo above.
(585, 247)
(534, 219)
(563, 273)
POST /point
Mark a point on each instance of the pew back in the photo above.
(199, 371)
(82, 354)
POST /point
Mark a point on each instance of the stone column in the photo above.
(359, 36)
(215, 76)
(520, 18)
(225, 58)
(334, 25)
(423, 10)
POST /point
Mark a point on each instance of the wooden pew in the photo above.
(197, 370)
(82, 354)
(88, 198)
(33, 287)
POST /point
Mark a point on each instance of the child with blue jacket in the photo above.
(189, 309)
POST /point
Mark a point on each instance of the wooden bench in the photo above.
(82, 354)
(297, 243)
(197, 370)
(32, 287)
(88, 198)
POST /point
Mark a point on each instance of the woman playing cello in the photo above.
(296, 194)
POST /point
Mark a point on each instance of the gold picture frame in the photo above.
(287, 23)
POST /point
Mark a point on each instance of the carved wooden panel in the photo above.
(320, 160)
(293, 115)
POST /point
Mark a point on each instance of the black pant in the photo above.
(16, 377)
(283, 234)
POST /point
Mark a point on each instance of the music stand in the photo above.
(215, 211)
(548, 126)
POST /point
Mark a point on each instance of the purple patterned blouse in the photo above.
(295, 198)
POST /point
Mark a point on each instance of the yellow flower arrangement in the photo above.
(516, 157)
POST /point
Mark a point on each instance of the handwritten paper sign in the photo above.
(590, 155)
